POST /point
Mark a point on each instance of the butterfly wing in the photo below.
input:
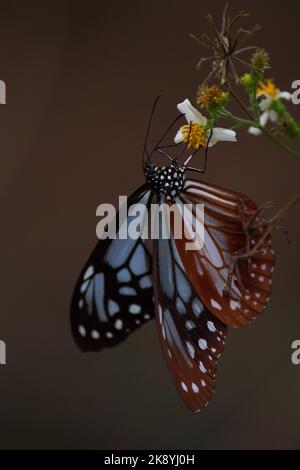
(114, 293)
(209, 269)
(192, 339)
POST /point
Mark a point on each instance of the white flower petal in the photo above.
(264, 117)
(263, 120)
(254, 131)
(273, 115)
(191, 113)
(221, 134)
(178, 137)
(265, 102)
(285, 95)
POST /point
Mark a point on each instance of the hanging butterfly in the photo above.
(193, 295)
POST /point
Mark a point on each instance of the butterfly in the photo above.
(194, 296)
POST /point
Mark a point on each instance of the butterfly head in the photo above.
(165, 180)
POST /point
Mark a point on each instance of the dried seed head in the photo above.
(225, 47)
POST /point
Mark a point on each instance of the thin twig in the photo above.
(240, 102)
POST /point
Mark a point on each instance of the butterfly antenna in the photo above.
(185, 145)
(165, 134)
(206, 150)
(145, 150)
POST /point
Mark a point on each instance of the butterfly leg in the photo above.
(264, 228)
(234, 270)
(252, 225)
(249, 226)
(234, 266)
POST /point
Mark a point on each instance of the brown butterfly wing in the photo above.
(226, 213)
(192, 339)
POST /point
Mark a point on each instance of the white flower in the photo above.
(268, 92)
(196, 132)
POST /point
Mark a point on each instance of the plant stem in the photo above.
(265, 131)
(238, 120)
(280, 143)
(240, 102)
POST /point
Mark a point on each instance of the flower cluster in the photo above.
(265, 105)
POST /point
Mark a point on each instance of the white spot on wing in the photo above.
(215, 304)
(184, 387)
(88, 273)
(134, 309)
(191, 349)
(234, 304)
(211, 326)
(81, 330)
(83, 286)
(190, 325)
(197, 307)
(95, 334)
(118, 324)
(202, 344)
(127, 291)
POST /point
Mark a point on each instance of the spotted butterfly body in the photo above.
(127, 282)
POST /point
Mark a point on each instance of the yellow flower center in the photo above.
(194, 134)
(210, 95)
(267, 88)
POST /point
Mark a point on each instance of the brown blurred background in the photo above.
(81, 79)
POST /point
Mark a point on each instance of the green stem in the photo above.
(238, 120)
(280, 143)
(265, 131)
